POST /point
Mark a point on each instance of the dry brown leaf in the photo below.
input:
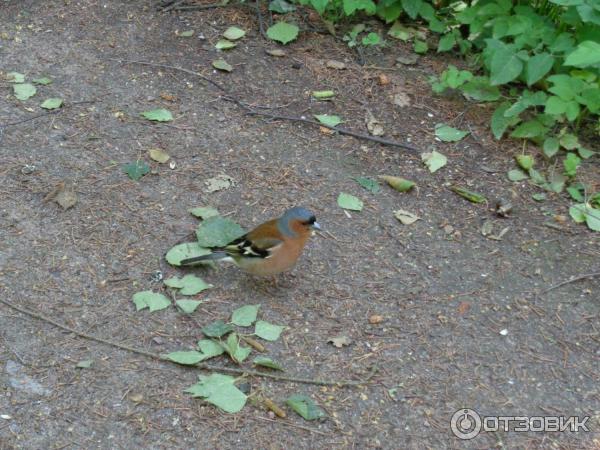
(340, 341)
(401, 99)
(383, 79)
(276, 52)
(375, 319)
(326, 130)
(463, 307)
(333, 64)
(168, 97)
(63, 194)
(373, 125)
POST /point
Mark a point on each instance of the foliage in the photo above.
(539, 60)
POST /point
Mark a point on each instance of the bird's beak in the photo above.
(316, 226)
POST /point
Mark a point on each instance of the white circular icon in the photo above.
(465, 424)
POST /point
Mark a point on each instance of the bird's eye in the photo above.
(312, 220)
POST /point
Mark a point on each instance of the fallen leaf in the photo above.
(136, 170)
(158, 115)
(375, 319)
(187, 33)
(63, 194)
(52, 103)
(276, 52)
(219, 183)
(398, 183)
(408, 60)
(305, 406)
(329, 120)
(204, 212)
(406, 217)
(401, 99)
(383, 79)
(333, 64)
(323, 95)
(158, 155)
(447, 133)
(326, 130)
(340, 341)
(348, 201)
(234, 33)
(219, 390)
(487, 228)
(473, 197)
(168, 97)
(434, 160)
(463, 307)
(221, 64)
(224, 44)
(373, 125)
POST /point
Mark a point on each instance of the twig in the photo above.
(202, 366)
(571, 280)
(259, 17)
(228, 96)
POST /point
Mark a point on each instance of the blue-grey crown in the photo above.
(297, 213)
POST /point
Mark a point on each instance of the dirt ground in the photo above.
(467, 321)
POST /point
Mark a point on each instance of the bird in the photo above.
(269, 249)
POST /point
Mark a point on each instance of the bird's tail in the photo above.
(214, 256)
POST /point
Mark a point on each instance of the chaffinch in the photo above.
(271, 248)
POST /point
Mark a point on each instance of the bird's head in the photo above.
(297, 221)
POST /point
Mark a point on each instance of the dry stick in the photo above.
(202, 366)
(253, 112)
(572, 280)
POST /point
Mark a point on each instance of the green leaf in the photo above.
(399, 31)
(577, 212)
(576, 194)
(591, 99)
(434, 160)
(281, 6)
(85, 364)
(24, 91)
(187, 358)
(43, 81)
(500, 123)
(217, 328)
(221, 64)
(473, 197)
(505, 66)
(15, 77)
(330, 121)
(525, 161)
(480, 89)
(420, 46)
(185, 251)
(539, 197)
(210, 348)
(245, 316)
(412, 7)
(538, 66)
(348, 201)
(555, 105)
(219, 390)
(526, 100)
(585, 54)
(283, 32)
(234, 349)
(188, 306)
(565, 86)
(203, 212)
(569, 141)
(585, 153)
(52, 103)
(371, 39)
(517, 175)
(267, 362)
(351, 6)
(537, 178)
(224, 44)
(217, 232)
(156, 154)
(151, 300)
(189, 284)
(398, 183)
(529, 129)
(187, 33)
(446, 133)
(323, 95)
(571, 162)
(369, 184)
(592, 219)
(447, 42)
(234, 33)
(305, 406)
(268, 331)
(158, 115)
(550, 147)
(136, 170)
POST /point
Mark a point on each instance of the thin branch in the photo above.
(571, 280)
(250, 111)
(202, 366)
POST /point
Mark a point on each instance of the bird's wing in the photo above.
(258, 243)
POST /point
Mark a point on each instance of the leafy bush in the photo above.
(540, 60)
